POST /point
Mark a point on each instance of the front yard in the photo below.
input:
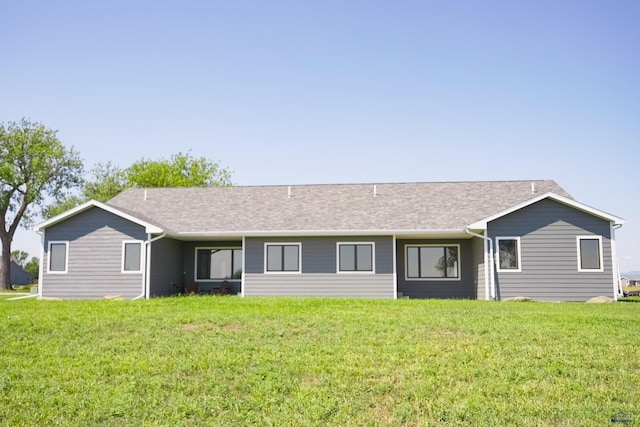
(288, 362)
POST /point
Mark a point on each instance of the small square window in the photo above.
(132, 256)
(355, 257)
(282, 257)
(58, 253)
(590, 253)
(508, 251)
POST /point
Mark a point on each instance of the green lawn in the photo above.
(314, 362)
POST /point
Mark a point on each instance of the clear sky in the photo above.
(296, 92)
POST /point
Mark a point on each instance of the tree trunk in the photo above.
(5, 261)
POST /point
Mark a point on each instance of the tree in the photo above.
(34, 165)
(107, 180)
(20, 257)
(182, 170)
(33, 268)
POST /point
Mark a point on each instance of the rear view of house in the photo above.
(478, 240)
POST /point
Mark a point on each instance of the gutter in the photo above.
(489, 275)
(617, 280)
(146, 272)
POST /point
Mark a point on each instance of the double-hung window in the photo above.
(432, 262)
(58, 256)
(356, 257)
(282, 257)
(589, 253)
(218, 263)
(131, 256)
(508, 249)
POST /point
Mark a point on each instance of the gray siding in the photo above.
(95, 257)
(319, 254)
(463, 288)
(319, 265)
(549, 256)
(320, 285)
(17, 275)
(189, 256)
(477, 258)
(167, 269)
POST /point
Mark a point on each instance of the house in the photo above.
(17, 275)
(478, 240)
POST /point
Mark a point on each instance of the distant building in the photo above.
(17, 274)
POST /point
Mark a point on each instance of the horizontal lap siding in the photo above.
(477, 255)
(95, 257)
(466, 287)
(319, 266)
(549, 253)
(166, 273)
(320, 285)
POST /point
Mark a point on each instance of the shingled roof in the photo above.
(428, 207)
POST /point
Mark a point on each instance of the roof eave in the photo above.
(191, 235)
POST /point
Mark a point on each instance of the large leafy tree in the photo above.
(20, 257)
(34, 166)
(107, 180)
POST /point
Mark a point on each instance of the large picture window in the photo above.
(132, 256)
(589, 253)
(432, 262)
(58, 252)
(218, 263)
(282, 257)
(355, 257)
(508, 249)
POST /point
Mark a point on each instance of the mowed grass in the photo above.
(230, 361)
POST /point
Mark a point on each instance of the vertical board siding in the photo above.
(319, 275)
(463, 288)
(166, 275)
(320, 285)
(549, 253)
(95, 257)
(477, 255)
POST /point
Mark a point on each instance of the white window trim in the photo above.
(66, 257)
(124, 243)
(195, 263)
(431, 279)
(497, 255)
(590, 270)
(373, 258)
(298, 244)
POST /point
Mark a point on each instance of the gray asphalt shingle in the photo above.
(330, 207)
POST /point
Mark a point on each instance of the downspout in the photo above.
(146, 272)
(617, 285)
(41, 266)
(489, 278)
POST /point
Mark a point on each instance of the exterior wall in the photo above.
(477, 257)
(318, 276)
(94, 264)
(189, 263)
(17, 275)
(549, 253)
(466, 287)
(167, 267)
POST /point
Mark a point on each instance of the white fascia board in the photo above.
(482, 224)
(149, 228)
(297, 233)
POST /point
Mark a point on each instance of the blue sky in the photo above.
(295, 92)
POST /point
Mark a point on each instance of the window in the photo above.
(131, 256)
(218, 263)
(355, 257)
(282, 257)
(58, 254)
(508, 249)
(433, 262)
(589, 253)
